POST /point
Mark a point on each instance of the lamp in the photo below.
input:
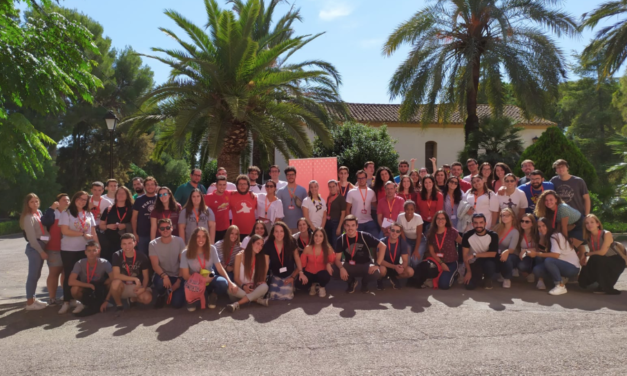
(111, 121)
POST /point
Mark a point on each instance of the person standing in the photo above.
(336, 212)
(344, 185)
(534, 188)
(388, 209)
(130, 274)
(482, 201)
(115, 221)
(406, 189)
(269, 207)
(527, 166)
(243, 204)
(164, 253)
(485, 171)
(182, 192)
(394, 261)
(452, 198)
(78, 228)
(317, 260)
(251, 269)
(138, 187)
(218, 202)
(196, 214)
(112, 187)
(511, 197)
(480, 247)
(382, 176)
(473, 167)
(369, 169)
(500, 171)
(571, 189)
(430, 201)
(292, 196)
(36, 236)
(229, 186)
(508, 254)
(140, 221)
(275, 172)
(359, 204)
(51, 219)
(458, 171)
(314, 207)
(165, 207)
(97, 205)
(253, 175)
(403, 169)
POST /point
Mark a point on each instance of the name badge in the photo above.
(440, 254)
(44, 238)
(453, 216)
(291, 207)
(351, 262)
(387, 222)
(364, 211)
(283, 269)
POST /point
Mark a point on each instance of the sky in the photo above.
(355, 31)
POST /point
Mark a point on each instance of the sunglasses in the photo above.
(167, 228)
(525, 221)
(396, 231)
(453, 182)
(164, 194)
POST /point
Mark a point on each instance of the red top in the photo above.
(383, 207)
(54, 244)
(173, 215)
(243, 209)
(411, 196)
(219, 204)
(313, 264)
(428, 208)
(464, 185)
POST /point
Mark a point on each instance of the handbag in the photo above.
(195, 290)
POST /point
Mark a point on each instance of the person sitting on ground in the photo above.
(606, 261)
(130, 274)
(357, 247)
(302, 237)
(228, 248)
(561, 261)
(284, 261)
(529, 241)
(442, 263)
(508, 253)
(394, 261)
(480, 247)
(164, 255)
(260, 229)
(202, 257)
(250, 275)
(317, 260)
(90, 274)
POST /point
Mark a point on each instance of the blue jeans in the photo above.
(556, 269)
(413, 262)
(142, 244)
(447, 278)
(178, 296)
(218, 285)
(331, 228)
(35, 263)
(370, 227)
(527, 264)
(508, 266)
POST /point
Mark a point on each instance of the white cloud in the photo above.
(372, 43)
(336, 10)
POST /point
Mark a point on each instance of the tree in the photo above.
(553, 145)
(226, 85)
(499, 139)
(455, 44)
(45, 66)
(44, 184)
(356, 143)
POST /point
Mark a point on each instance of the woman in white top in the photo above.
(412, 228)
(561, 260)
(483, 201)
(314, 207)
(258, 229)
(251, 269)
(36, 236)
(269, 207)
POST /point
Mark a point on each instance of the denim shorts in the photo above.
(577, 232)
(54, 259)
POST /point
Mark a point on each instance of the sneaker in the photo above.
(558, 290)
(499, 278)
(191, 307)
(64, 308)
(40, 302)
(213, 299)
(119, 310)
(74, 303)
(312, 290)
(352, 285)
(233, 307)
(322, 292)
(531, 278)
(79, 307)
(507, 283)
(515, 273)
(541, 285)
(380, 285)
(488, 284)
(35, 306)
(52, 302)
(263, 301)
(395, 284)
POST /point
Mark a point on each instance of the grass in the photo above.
(9, 227)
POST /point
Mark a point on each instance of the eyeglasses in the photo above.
(510, 181)
(292, 174)
(440, 219)
(167, 228)
(270, 186)
(395, 231)
(525, 221)
(163, 194)
(364, 178)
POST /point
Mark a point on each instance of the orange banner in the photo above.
(319, 169)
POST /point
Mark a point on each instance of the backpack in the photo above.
(195, 290)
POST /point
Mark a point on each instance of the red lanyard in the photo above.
(203, 263)
(196, 215)
(99, 202)
(252, 269)
(128, 271)
(598, 241)
(362, 196)
(280, 255)
(526, 242)
(343, 190)
(443, 237)
(330, 200)
(555, 217)
(503, 238)
(78, 216)
(267, 205)
(92, 274)
(393, 257)
(349, 244)
(292, 194)
(38, 216)
(391, 206)
(167, 216)
(302, 243)
(117, 209)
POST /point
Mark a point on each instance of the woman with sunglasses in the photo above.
(394, 261)
(452, 198)
(529, 241)
(269, 206)
(512, 197)
(336, 212)
(508, 253)
(165, 207)
(303, 236)
(259, 229)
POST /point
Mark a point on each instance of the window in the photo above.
(431, 151)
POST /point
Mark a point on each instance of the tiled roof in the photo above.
(367, 112)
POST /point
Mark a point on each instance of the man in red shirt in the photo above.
(243, 206)
(389, 209)
(219, 202)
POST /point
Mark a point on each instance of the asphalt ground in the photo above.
(408, 332)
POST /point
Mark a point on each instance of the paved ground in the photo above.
(455, 332)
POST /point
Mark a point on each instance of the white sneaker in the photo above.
(515, 273)
(564, 280)
(531, 278)
(558, 290)
(79, 307)
(507, 283)
(500, 278)
(64, 308)
(312, 290)
(322, 292)
(35, 306)
(74, 303)
(41, 302)
(541, 285)
(263, 301)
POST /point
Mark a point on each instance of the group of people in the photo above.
(261, 242)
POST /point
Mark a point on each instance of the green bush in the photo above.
(553, 145)
(615, 227)
(10, 227)
(355, 144)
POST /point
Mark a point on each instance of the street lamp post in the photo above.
(112, 121)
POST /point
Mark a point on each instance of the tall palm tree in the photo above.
(227, 84)
(457, 43)
(610, 44)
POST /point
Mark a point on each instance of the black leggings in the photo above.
(69, 259)
(602, 269)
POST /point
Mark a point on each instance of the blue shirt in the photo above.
(397, 179)
(182, 193)
(292, 212)
(533, 195)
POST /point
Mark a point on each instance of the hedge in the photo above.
(10, 227)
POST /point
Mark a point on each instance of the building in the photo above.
(440, 140)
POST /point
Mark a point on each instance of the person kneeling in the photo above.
(358, 262)
(397, 250)
(130, 274)
(480, 247)
(89, 281)
(250, 275)
(317, 260)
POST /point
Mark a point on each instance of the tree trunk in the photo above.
(472, 121)
(234, 142)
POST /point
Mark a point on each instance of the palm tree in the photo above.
(457, 43)
(610, 44)
(228, 84)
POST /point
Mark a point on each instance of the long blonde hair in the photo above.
(586, 233)
(501, 226)
(26, 208)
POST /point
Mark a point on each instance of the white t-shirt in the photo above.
(484, 206)
(359, 209)
(103, 204)
(83, 223)
(280, 184)
(467, 178)
(258, 188)
(275, 209)
(410, 227)
(517, 201)
(229, 187)
(317, 210)
(566, 252)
